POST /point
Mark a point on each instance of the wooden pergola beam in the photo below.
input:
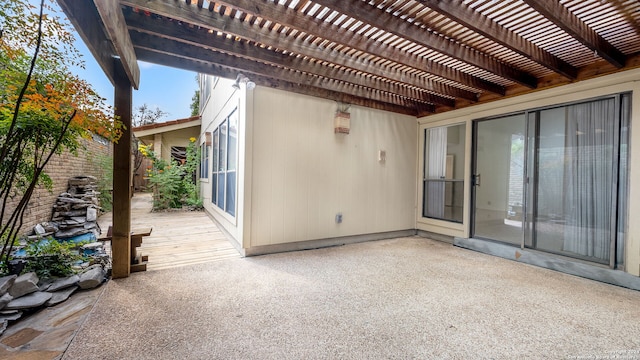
(91, 24)
(557, 13)
(116, 28)
(304, 89)
(173, 30)
(490, 29)
(289, 17)
(122, 170)
(181, 50)
(85, 18)
(176, 35)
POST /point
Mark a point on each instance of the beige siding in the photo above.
(611, 84)
(303, 174)
(163, 141)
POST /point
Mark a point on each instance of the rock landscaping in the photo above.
(75, 211)
(26, 294)
(65, 245)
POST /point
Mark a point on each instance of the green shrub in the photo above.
(168, 187)
(174, 185)
(50, 258)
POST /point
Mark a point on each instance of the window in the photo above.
(443, 182)
(205, 90)
(232, 159)
(205, 149)
(225, 159)
(214, 168)
(179, 154)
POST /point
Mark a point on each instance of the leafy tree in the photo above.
(44, 108)
(145, 116)
(195, 103)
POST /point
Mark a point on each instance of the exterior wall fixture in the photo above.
(342, 119)
(243, 79)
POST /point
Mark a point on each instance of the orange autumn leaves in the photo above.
(53, 94)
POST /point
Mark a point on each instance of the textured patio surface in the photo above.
(408, 298)
(178, 238)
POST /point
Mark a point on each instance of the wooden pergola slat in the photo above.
(482, 24)
(172, 30)
(394, 25)
(217, 70)
(561, 17)
(288, 17)
(191, 52)
(242, 49)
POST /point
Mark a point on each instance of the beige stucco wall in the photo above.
(303, 174)
(611, 84)
(296, 174)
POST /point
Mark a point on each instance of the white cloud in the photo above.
(145, 65)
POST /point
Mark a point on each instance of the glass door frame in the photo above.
(476, 178)
(530, 175)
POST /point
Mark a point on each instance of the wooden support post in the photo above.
(121, 239)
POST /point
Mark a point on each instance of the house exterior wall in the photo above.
(304, 174)
(220, 102)
(627, 81)
(295, 173)
(60, 168)
(162, 142)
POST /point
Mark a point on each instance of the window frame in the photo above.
(222, 189)
(205, 151)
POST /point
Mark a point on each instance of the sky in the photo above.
(166, 88)
(163, 87)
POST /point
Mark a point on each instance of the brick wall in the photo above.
(60, 168)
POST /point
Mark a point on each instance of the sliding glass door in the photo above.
(555, 179)
(499, 178)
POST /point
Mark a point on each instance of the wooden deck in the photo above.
(178, 238)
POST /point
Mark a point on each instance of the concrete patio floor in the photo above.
(391, 299)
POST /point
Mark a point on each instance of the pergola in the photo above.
(416, 57)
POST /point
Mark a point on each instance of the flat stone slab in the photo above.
(24, 284)
(63, 283)
(6, 282)
(13, 316)
(21, 337)
(32, 300)
(93, 246)
(92, 277)
(92, 214)
(60, 296)
(5, 299)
